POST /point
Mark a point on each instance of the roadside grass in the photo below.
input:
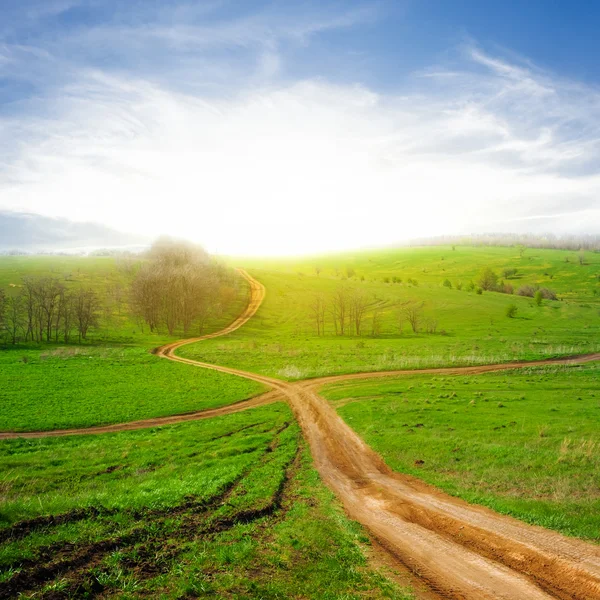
(522, 442)
(229, 507)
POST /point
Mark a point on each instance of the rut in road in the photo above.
(462, 551)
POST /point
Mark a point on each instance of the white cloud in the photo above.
(280, 166)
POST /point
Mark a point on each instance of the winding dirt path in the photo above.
(462, 551)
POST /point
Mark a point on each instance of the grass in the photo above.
(229, 507)
(523, 442)
(61, 387)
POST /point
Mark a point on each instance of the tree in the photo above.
(14, 317)
(376, 323)
(358, 308)
(413, 312)
(85, 310)
(318, 270)
(339, 308)
(488, 279)
(581, 257)
(511, 311)
(538, 298)
(318, 308)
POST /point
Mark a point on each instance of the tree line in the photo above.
(176, 286)
(589, 242)
(349, 311)
(46, 310)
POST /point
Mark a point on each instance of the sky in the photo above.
(291, 127)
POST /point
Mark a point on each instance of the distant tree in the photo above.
(86, 307)
(358, 308)
(521, 248)
(318, 270)
(350, 272)
(376, 323)
(413, 313)
(511, 311)
(581, 257)
(538, 297)
(339, 309)
(318, 308)
(488, 279)
(14, 317)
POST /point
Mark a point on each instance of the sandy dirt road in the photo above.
(460, 550)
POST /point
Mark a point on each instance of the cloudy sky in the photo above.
(290, 127)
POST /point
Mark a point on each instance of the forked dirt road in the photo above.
(460, 550)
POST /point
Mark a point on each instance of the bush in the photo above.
(511, 311)
(479, 291)
(538, 298)
(447, 283)
(526, 290)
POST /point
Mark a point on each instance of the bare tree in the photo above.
(413, 312)
(358, 308)
(318, 308)
(376, 323)
(14, 317)
(86, 307)
(339, 309)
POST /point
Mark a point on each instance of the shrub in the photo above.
(458, 285)
(548, 294)
(479, 291)
(447, 283)
(538, 298)
(511, 311)
(526, 290)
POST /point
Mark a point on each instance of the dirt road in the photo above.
(462, 551)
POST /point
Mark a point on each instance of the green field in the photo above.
(232, 506)
(281, 340)
(523, 442)
(61, 387)
(229, 507)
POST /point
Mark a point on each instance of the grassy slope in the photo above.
(280, 341)
(229, 507)
(524, 443)
(111, 379)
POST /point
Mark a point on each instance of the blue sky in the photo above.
(286, 127)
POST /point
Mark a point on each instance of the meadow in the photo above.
(229, 507)
(523, 442)
(232, 506)
(471, 328)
